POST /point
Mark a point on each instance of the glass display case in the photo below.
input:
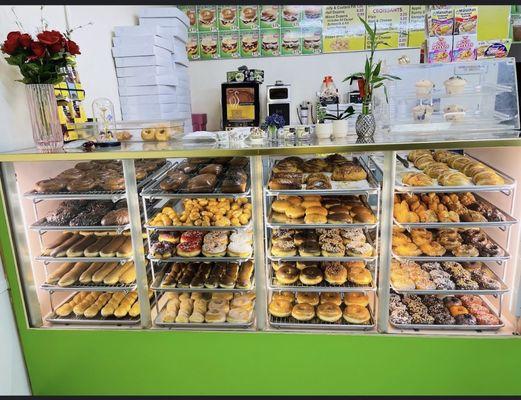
(464, 96)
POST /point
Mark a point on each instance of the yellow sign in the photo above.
(391, 19)
(341, 28)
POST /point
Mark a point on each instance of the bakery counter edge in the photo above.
(177, 150)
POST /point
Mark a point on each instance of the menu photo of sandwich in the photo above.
(270, 16)
(208, 46)
(311, 41)
(190, 12)
(291, 44)
(229, 45)
(290, 16)
(250, 44)
(192, 47)
(228, 18)
(270, 42)
(207, 18)
(312, 12)
(248, 17)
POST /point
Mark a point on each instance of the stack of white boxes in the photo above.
(152, 67)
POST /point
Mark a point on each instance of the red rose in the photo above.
(38, 50)
(25, 40)
(72, 47)
(50, 37)
(56, 47)
(12, 42)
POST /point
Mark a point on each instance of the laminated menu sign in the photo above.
(208, 46)
(416, 25)
(291, 44)
(311, 41)
(228, 20)
(248, 17)
(342, 29)
(439, 49)
(249, 43)
(192, 47)
(229, 45)
(269, 16)
(391, 19)
(466, 20)
(207, 18)
(496, 48)
(311, 16)
(270, 41)
(464, 47)
(440, 22)
(290, 16)
(190, 12)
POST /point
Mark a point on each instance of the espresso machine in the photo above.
(240, 104)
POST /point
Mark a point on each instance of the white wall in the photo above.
(303, 73)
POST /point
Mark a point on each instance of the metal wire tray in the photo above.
(153, 191)
(157, 286)
(419, 327)
(508, 221)
(82, 259)
(504, 257)
(321, 287)
(42, 226)
(204, 325)
(318, 324)
(509, 185)
(91, 287)
(357, 188)
(504, 289)
(81, 320)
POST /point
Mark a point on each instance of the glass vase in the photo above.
(43, 110)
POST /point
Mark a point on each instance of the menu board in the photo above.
(250, 31)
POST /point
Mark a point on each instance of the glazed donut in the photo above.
(303, 312)
(409, 249)
(311, 276)
(238, 315)
(448, 242)
(287, 274)
(359, 275)
(357, 298)
(284, 295)
(113, 184)
(329, 312)
(458, 310)
(215, 316)
(331, 297)
(356, 314)
(49, 185)
(308, 298)
(280, 307)
(421, 236)
(70, 174)
(82, 185)
(400, 238)
(433, 249)
(465, 250)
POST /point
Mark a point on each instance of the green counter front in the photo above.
(69, 361)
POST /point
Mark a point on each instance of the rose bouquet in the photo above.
(41, 61)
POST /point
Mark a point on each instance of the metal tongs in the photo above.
(404, 162)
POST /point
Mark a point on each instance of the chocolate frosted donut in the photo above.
(400, 316)
(82, 185)
(70, 174)
(451, 301)
(465, 319)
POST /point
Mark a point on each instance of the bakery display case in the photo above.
(465, 96)
(199, 227)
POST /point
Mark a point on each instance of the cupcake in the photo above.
(455, 85)
(422, 113)
(423, 88)
(454, 113)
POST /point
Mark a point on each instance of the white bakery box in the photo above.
(148, 80)
(147, 90)
(182, 98)
(137, 56)
(143, 115)
(180, 34)
(163, 16)
(161, 108)
(143, 61)
(145, 70)
(140, 42)
(180, 58)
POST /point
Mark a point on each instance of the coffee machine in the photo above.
(240, 104)
(278, 100)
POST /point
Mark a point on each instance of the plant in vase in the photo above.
(42, 61)
(372, 78)
(322, 130)
(339, 122)
(272, 124)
